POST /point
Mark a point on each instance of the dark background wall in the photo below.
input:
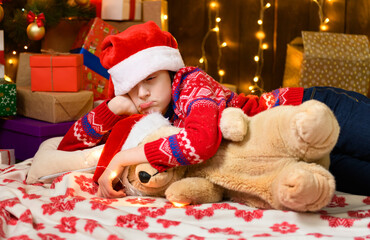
(283, 21)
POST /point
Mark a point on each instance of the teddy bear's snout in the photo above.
(144, 177)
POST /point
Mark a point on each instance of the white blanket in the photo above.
(68, 208)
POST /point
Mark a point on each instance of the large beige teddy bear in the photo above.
(275, 159)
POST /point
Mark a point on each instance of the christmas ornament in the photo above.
(82, 2)
(35, 32)
(1, 13)
(35, 29)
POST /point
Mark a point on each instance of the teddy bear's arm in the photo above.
(193, 190)
(234, 124)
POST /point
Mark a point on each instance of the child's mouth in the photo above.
(146, 105)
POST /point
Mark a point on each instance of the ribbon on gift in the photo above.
(52, 53)
(92, 61)
(31, 17)
(9, 156)
(2, 58)
(132, 9)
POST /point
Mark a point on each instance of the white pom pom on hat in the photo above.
(137, 52)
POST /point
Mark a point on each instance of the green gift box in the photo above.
(8, 98)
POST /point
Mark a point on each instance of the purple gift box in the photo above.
(25, 134)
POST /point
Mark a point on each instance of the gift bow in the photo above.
(31, 17)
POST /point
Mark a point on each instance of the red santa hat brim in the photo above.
(126, 134)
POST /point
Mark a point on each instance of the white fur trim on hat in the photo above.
(143, 128)
(129, 72)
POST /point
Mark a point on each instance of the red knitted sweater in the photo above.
(198, 101)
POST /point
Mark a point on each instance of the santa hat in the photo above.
(137, 52)
(128, 133)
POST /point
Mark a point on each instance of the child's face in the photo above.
(153, 94)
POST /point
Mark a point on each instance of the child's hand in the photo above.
(122, 105)
(108, 179)
(115, 169)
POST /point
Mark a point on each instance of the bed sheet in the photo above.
(68, 208)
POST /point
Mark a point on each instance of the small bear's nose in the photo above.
(144, 177)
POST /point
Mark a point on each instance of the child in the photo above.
(148, 75)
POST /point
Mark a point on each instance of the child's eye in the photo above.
(150, 78)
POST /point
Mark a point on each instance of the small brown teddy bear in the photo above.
(275, 159)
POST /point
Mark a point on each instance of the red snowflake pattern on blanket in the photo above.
(86, 184)
(101, 203)
(26, 195)
(132, 221)
(336, 221)
(337, 202)
(35, 211)
(152, 212)
(160, 236)
(62, 203)
(168, 223)
(284, 228)
(67, 224)
(49, 236)
(91, 225)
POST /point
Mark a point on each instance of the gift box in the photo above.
(121, 10)
(53, 107)
(156, 10)
(7, 156)
(56, 73)
(25, 135)
(88, 43)
(8, 98)
(24, 69)
(2, 57)
(328, 59)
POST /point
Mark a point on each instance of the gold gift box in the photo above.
(328, 59)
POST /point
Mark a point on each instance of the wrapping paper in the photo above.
(8, 99)
(2, 57)
(7, 156)
(53, 107)
(156, 10)
(68, 208)
(88, 43)
(56, 73)
(328, 59)
(121, 10)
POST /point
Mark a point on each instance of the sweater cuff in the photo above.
(294, 96)
(156, 157)
(107, 116)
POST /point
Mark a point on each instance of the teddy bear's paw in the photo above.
(305, 189)
(316, 128)
(233, 124)
(193, 190)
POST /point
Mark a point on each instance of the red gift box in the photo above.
(88, 42)
(7, 156)
(56, 73)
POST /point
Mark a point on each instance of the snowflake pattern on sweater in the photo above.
(198, 101)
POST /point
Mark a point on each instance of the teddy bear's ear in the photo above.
(234, 124)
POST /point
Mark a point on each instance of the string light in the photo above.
(323, 22)
(179, 205)
(258, 58)
(213, 27)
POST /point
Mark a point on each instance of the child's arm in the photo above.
(115, 168)
(94, 127)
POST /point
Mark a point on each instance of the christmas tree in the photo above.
(25, 22)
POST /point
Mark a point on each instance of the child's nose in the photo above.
(143, 91)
